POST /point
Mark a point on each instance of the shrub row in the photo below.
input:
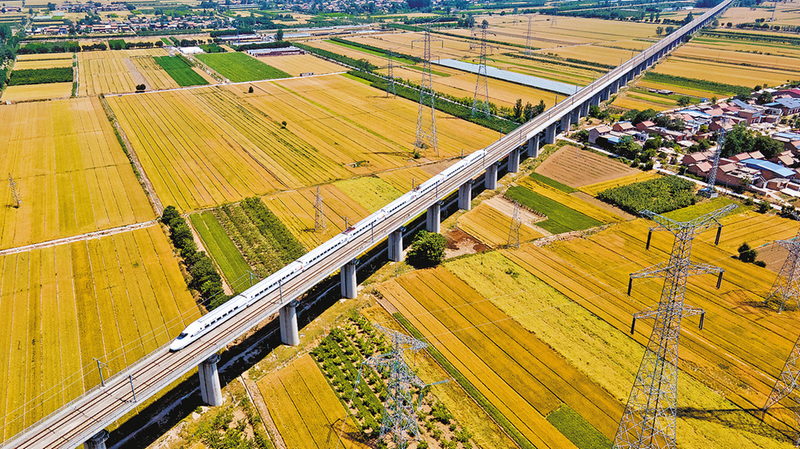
(41, 76)
(270, 226)
(692, 83)
(362, 64)
(205, 278)
(258, 46)
(383, 51)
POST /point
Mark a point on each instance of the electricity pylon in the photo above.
(787, 284)
(710, 190)
(426, 127)
(528, 50)
(651, 412)
(15, 199)
(400, 407)
(482, 85)
(390, 75)
(319, 213)
(513, 232)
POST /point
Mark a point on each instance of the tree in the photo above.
(518, 109)
(485, 24)
(279, 35)
(684, 101)
(169, 214)
(527, 112)
(767, 146)
(669, 29)
(659, 30)
(427, 249)
(627, 147)
(764, 98)
(140, 88)
(747, 254)
(250, 90)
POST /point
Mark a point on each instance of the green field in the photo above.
(180, 71)
(239, 67)
(552, 183)
(560, 218)
(573, 426)
(221, 248)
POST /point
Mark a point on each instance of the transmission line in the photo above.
(650, 415)
(320, 224)
(16, 201)
(513, 232)
(480, 101)
(426, 124)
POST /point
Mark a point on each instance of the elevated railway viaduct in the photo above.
(83, 420)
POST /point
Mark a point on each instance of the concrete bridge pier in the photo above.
(348, 280)
(585, 108)
(210, 389)
(98, 441)
(433, 218)
(465, 196)
(396, 246)
(595, 100)
(576, 115)
(550, 134)
(533, 146)
(566, 121)
(513, 161)
(288, 321)
(490, 181)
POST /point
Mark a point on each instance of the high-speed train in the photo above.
(250, 296)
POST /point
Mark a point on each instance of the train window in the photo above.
(182, 335)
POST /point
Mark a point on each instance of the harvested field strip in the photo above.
(220, 247)
(508, 401)
(491, 226)
(75, 182)
(157, 78)
(294, 65)
(296, 210)
(570, 201)
(303, 404)
(370, 192)
(115, 298)
(595, 167)
(594, 189)
(731, 73)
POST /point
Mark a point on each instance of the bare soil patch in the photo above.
(774, 256)
(576, 168)
(460, 243)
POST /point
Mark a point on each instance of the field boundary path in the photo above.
(155, 201)
(75, 238)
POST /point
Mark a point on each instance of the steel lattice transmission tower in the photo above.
(513, 232)
(528, 50)
(320, 225)
(787, 284)
(710, 190)
(400, 407)
(480, 101)
(426, 124)
(651, 412)
(390, 74)
(15, 199)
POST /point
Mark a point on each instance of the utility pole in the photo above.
(480, 101)
(650, 415)
(400, 407)
(426, 125)
(320, 225)
(15, 199)
(513, 232)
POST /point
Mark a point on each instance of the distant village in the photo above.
(753, 171)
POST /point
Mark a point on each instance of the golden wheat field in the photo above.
(116, 298)
(71, 173)
(32, 92)
(112, 71)
(42, 64)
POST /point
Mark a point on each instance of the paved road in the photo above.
(77, 421)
